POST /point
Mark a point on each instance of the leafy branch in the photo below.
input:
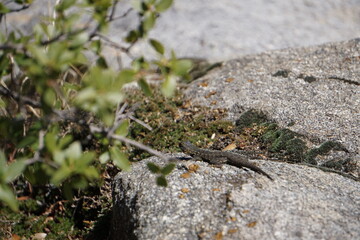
(65, 116)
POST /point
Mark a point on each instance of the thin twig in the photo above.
(110, 42)
(19, 9)
(118, 119)
(25, 100)
(122, 109)
(41, 144)
(63, 35)
(37, 157)
(95, 129)
(121, 16)
(113, 10)
(9, 46)
(141, 123)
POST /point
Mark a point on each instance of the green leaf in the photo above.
(65, 141)
(104, 158)
(38, 174)
(28, 140)
(3, 9)
(14, 170)
(149, 21)
(144, 6)
(137, 5)
(140, 64)
(161, 181)
(85, 95)
(49, 30)
(79, 183)
(80, 40)
(163, 5)
(101, 62)
(65, 4)
(167, 169)
(3, 166)
(123, 129)
(59, 156)
(132, 36)
(95, 46)
(74, 150)
(107, 118)
(127, 76)
(59, 56)
(181, 67)
(85, 160)
(157, 46)
(8, 197)
(50, 141)
(113, 97)
(49, 97)
(145, 87)
(120, 159)
(39, 53)
(153, 167)
(91, 173)
(168, 86)
(60, 175)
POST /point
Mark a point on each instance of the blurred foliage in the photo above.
(51, 95)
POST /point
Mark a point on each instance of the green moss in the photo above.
(282, 142)
(48, 213)
(251, 117)
(322, 150)
(282, 137)
(295, 149)
(173, 120)
(30, 221)
(286, 142)
(340, 164)
(270, 136)
(31, 206)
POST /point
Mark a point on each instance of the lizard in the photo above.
(220, 157)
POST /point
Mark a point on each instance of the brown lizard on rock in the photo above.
(220, 157)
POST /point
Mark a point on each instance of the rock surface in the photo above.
(223, 30)
(231, 203)
(313, 91)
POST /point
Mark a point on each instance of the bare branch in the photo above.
(95, 129)
(121, 16)
(120, 117)
(19, 9)
(8, 46)
(37, 157)
(7, 93)
(141, 123)
(122, 109)
(63, 36)
(111, 43)
(113, 10)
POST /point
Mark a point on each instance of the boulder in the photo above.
(312, 91)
